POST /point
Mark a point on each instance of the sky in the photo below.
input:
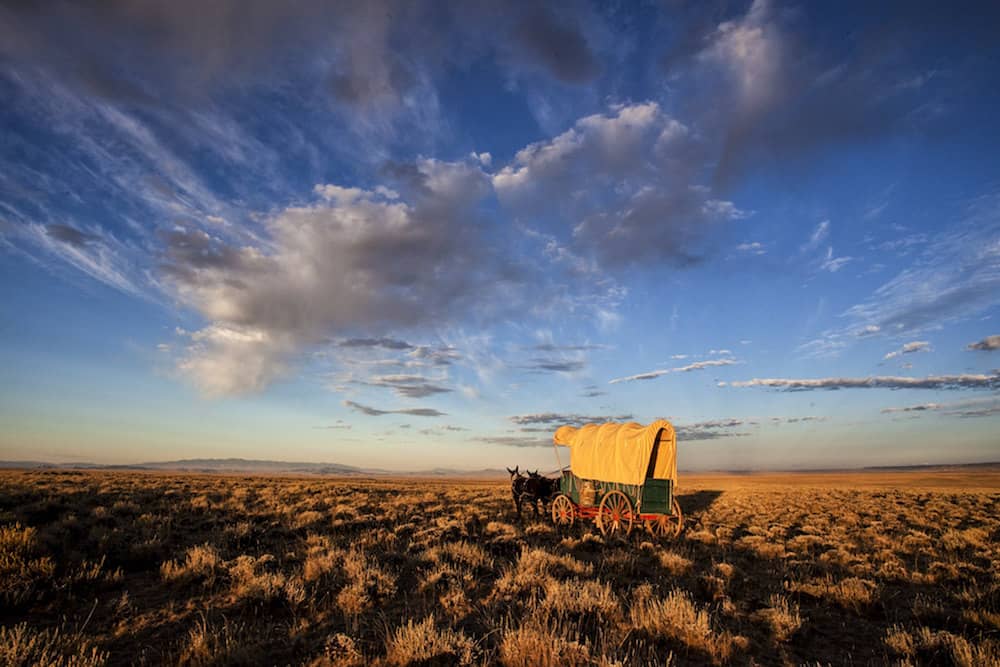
(414, 235)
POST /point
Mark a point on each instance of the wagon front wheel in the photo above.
(562, 511)
(614, 515)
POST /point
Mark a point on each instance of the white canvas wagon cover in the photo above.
(620, 452)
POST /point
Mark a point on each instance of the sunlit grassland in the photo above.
(135, 568)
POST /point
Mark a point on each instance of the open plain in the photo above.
(819, 568)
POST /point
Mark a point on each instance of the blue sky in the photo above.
(415, 235)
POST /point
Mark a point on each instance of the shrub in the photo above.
(24, 646)
(782, 617)
(532, 645)
(200, 563)
(22, 569)
(677, 618)
(425, 644)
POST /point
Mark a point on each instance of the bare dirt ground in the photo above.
(133, 568)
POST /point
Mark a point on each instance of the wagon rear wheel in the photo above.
(667, 525)
(614, 515)
(563, 513)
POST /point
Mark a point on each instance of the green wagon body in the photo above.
(654, 496)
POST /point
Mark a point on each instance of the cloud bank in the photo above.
(947, 382)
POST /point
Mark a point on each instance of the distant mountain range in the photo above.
(256, 466)
(259, 467)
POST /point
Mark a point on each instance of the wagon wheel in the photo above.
(614, 516)
(667, 525)
(563, 513)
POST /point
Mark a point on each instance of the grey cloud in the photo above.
(515, 441)
(624, 183)
(770, 91)
(989, 343)
(556, 365)
(558, 46)
(435, 356)
(387, 343)
(567, 418)
(70, 235)
(413, 262)
(964, 381)
(971, 408)
(375, 412)
(410, 386)
(715, 429)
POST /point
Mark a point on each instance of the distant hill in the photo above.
(259, 467)
(265, 467)
(253, 465)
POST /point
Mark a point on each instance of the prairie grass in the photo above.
(135, 568)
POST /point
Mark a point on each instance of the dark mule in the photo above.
(517, 482)
(539, 491)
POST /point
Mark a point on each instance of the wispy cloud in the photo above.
(715, 429)
(552, 347)
(561, 418)
(956, 277)
(375, 412)
(410, 386)
(963, 381)
(817, 237)
(833, 264)
(696, 366)
(909, 348)
(515, 441)
(976, 407)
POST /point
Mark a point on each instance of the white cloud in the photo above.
(819, 235)
(696, 366)
(831, 263)
(752, 248)
(355, 259)
(910, 348)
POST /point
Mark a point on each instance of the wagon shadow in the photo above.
(698, 502)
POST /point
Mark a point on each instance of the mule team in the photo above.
(532, 488)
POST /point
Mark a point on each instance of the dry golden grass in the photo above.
(134, 568)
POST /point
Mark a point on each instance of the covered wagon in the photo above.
(620, 475)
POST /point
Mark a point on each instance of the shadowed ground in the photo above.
(841, 568)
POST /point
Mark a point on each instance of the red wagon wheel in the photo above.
(563, 513)
(667, 525)
(614, 516)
